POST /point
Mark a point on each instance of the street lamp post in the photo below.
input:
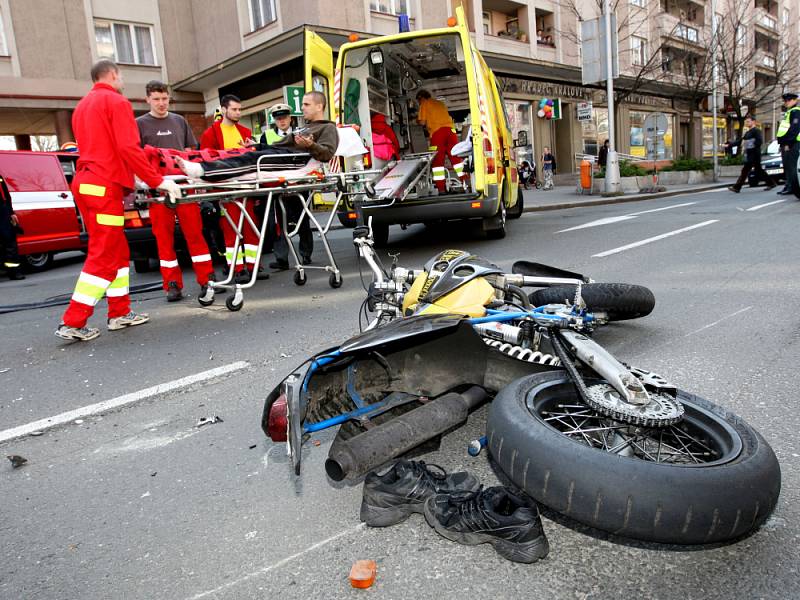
(612, 182)
(714, 42)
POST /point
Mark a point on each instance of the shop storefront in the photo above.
(708, 136)
(641, 146)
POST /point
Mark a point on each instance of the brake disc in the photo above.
(662, 410)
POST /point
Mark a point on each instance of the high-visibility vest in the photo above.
(273, 136)
(784, 125)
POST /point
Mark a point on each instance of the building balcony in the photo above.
(674, 29)
(765, 61)
(766, 22)
(506, 45)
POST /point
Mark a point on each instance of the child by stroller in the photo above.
(527, 175)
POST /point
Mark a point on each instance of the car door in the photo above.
(43, 202)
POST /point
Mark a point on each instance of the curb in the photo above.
(621, 199)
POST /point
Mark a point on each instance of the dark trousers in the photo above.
(760, 175)
(790, 157)
(294, 208)
(241, 164)
(8, 241)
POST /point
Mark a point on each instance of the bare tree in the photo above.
(44, 143)
(754, 68)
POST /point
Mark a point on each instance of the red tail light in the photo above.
(488, 152)
(368, 160)
(277, 424)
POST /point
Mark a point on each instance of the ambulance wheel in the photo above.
(519, 207)
(498, 232)
(232, 304)
(300, 278)
(335, 280)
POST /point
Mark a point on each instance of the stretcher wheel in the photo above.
(300, 278)
(335, 280)
(205, 302)
(232, 304)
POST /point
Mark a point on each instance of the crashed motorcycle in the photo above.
(612, 446)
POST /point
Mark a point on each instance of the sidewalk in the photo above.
(564, 196)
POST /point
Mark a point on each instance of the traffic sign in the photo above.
(293, 95)
(584, 111)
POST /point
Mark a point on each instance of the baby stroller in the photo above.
(527, 175)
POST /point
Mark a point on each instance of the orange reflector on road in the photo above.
(363, 573)
(475, 205)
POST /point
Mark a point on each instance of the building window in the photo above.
(3, 47)
(785, 17)
(390, 7)
(262, 12)
(487, 23)
(639, 3)
(741, 35)
(638, 50)
(126, 43)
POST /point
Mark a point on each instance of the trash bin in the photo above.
(586, 176)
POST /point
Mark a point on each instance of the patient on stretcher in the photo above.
(318, 139)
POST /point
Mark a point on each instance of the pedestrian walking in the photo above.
(750, 144)
(602, 157)
(548, 168)
(110, 155)
(9, 227)
(162, 129)
(789, 139)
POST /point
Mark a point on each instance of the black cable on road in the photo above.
(64, 299)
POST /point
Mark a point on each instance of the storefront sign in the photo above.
(584, 111)
(543, 88)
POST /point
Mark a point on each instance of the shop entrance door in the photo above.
(563, 142)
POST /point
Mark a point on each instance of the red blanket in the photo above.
(163, 159)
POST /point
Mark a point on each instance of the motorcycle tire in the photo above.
(621, 301)
(679, 502)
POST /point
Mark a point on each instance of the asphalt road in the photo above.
(140, 503)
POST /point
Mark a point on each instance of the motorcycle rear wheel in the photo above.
(709, 479)
(621, 301)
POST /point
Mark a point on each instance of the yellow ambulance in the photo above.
(382, 76)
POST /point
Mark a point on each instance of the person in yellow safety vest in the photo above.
(437, 120)
(282, 125)
(282, 117)
(789, 139)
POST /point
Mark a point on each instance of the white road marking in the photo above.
(598, 222)
(280, 563)
(653, 239)
(652, 210)
(610, 220)
(107, 405)
(752, 208)
(717, 322)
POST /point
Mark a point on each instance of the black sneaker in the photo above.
(392, 497)
(306, 260)
(279, 265)
(173, 292)
(495, 516)
(242, 277)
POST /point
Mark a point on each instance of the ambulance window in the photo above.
(319, 83)
(31, 173)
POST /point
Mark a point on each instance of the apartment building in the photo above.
(252, 48)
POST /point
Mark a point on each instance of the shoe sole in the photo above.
(378, 516)
(526, 553)
(74, 338)
(126, 325)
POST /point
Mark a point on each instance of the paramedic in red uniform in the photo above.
(110, 154)
(227, 134)
(162, 129)
(434, 116)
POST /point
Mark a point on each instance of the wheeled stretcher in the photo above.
(274, 183)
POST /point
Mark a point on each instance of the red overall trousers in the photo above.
(106, 270)
(163, 221)
(442, 142)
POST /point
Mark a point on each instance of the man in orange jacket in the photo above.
(110, 154)
(441, 129)
(226, 134)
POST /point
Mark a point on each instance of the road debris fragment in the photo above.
(209, 420)
(16, 460)
(363, 573)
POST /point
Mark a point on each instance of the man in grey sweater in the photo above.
(318, 138)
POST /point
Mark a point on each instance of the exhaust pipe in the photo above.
(368, 450)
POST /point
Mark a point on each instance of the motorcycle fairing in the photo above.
(534, 269)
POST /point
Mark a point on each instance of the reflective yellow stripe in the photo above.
(116, 220)
(120, 282)
(432, 148)
(90, 290)
(90, 189)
